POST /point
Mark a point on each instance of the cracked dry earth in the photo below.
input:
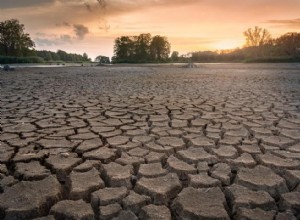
(216, 142)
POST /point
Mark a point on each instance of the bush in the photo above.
(10, 60)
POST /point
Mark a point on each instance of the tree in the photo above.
(124, 49)
(114, 59)
(175, 56)
(85, 57)
(159, 48)
(46, 55)
(63, 55)
(102, 59)
(289, 43)
(142, 47)
(257, 37)
(13, 40)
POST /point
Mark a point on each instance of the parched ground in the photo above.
(214, 142)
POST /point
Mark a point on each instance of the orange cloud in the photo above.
(189, 24)
(290, 23)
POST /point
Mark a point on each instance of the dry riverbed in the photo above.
(156, 142)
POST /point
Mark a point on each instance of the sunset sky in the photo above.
(91, 26)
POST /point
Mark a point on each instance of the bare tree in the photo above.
(257, 37)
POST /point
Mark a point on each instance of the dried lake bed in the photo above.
(221, 141)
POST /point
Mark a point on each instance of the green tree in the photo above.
(124, 49)
(55, 56)
(257, 36)
(102, 59)
(85, 57)
(142, 47)
(114, 59)
(46, 55)
(63, 55)
(175, 56)
(159, 49)
(13, 40)
(289, 44)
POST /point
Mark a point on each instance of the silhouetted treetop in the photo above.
(290, 43)
(159, 49)
(141, 49)
(13, 40)
(102, 59)
(257, 36)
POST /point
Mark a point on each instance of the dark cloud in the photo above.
(102, 3)
(290, 23)
(78, 11)
(98, 3)
(46, 40)
(124, 6)
(80, 31)
(116, 7)
(88, 7)
(64, 24)
(23, 3)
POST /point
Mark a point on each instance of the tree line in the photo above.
(17, 47)
(61, 55)
(259, 47)
(141, 49)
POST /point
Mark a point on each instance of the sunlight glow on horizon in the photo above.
(228, 44)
